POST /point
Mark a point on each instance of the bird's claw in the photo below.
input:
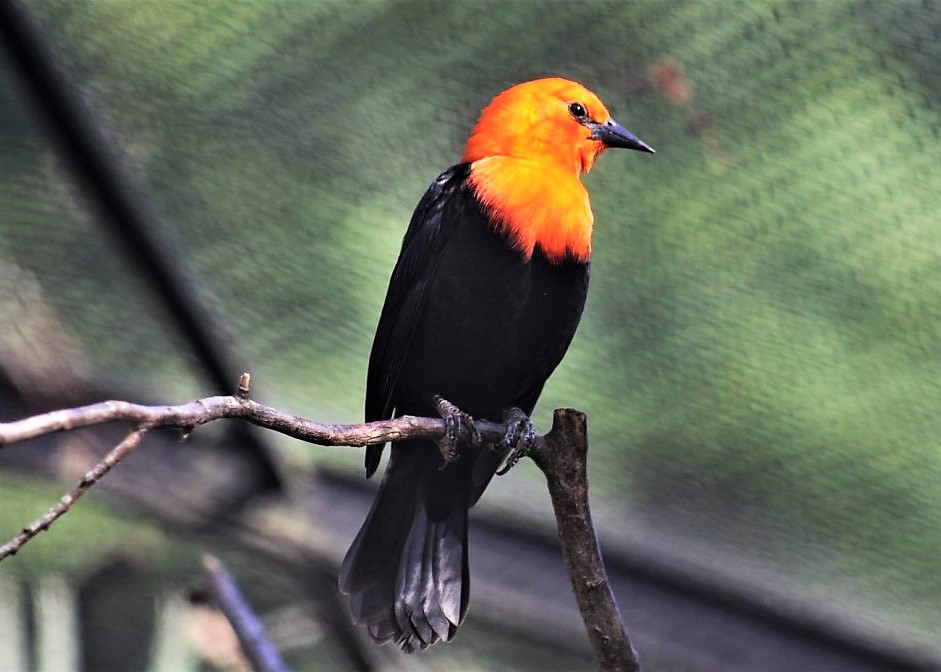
(458, 425)
(519, 439)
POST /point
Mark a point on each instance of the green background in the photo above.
(761, 351)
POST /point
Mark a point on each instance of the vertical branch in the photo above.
(564, 459)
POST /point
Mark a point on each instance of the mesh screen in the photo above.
(760, 355)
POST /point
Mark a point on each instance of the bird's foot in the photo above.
(519, 440)
(458, 426)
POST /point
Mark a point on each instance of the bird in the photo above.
(482, 304)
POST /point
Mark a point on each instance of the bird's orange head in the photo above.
(527, 151)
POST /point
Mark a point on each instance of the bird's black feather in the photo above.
(469, 318)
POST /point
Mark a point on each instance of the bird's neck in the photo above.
(536, 203)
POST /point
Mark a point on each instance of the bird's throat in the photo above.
(535, 203)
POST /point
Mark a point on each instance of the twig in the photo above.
(563, 458)
(251, 634)
(130, 442)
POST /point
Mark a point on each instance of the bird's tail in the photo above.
(406, 572)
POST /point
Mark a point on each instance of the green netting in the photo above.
(760, 357)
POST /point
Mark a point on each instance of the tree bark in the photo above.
(563, 458)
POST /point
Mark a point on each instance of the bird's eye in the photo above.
(578, 111)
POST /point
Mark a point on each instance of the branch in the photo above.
(95, 474)
(256, 645)
(195, 413)
(201, 411)
(563, 458)
(561, 455)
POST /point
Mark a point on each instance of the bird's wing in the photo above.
(427, 234)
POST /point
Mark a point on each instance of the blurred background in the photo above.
(759, 358)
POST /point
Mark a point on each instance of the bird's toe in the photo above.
(458, 427)
(519, 439)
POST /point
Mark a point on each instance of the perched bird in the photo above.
(483, 303)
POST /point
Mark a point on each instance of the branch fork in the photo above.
(561, 455)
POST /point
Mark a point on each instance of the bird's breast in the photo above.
(536, 204)
(495, 324)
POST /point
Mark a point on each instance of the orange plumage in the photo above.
(526, 154)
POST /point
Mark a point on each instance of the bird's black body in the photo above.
(468, 318)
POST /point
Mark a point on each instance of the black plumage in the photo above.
(469, 318)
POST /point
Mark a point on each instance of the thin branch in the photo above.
(251, 634)
(205, 410)
(95, 474)
(563, 458)
(197, 413)
(193, 414)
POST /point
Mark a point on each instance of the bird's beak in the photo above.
(612, 134)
